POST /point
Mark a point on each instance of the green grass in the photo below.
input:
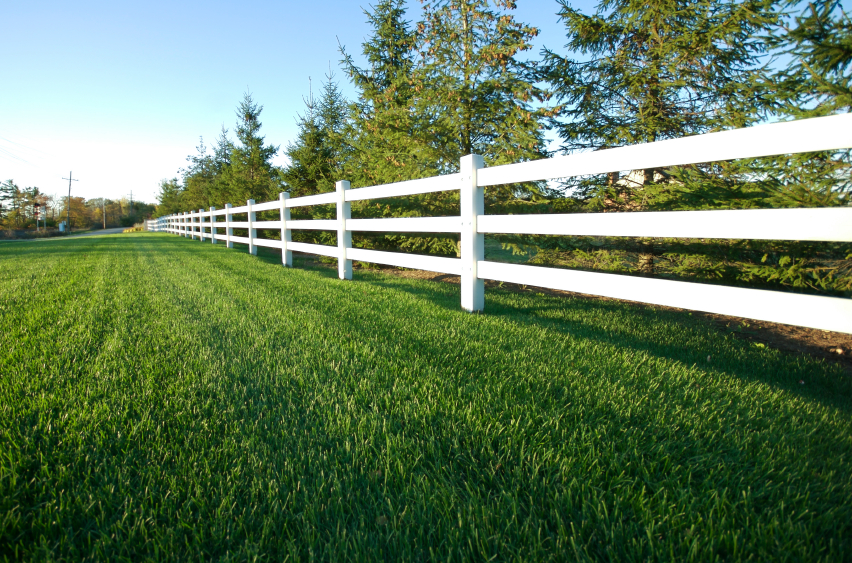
(165, 399)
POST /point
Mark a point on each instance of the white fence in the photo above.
(824, 224)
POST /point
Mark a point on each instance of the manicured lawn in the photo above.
(167, 399)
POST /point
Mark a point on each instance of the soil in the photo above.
(830, 346)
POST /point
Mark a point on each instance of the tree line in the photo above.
(18, 209)
(462, 79)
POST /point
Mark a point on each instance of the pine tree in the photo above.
(198, 178)
(8, 194)
(222, 151)
(250, 174)
(475, 93)
(818, 82)
(310, 170)
(169, 198)
(655, 70)
(333, 120)
(386, 139)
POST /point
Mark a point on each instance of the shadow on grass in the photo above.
(476, 472)
(825, 383)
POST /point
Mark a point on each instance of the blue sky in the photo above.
(119, 92)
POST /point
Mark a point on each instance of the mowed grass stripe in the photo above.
(203, 403)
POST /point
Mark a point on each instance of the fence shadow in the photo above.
(825, 383)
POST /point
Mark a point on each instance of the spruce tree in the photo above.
(386, 138)
(198, 178)
(471, 87)
(818, 82)
(8, 194)
(654, 70)
(333, 114)
(169, 198)
(310, 170)
(250, 174)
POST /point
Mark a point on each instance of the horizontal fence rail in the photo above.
(821, 224)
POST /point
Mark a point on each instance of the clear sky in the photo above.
(119, 92)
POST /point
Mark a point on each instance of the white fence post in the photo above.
(183, 227)
(213, 225)
(286, 254)
(472, 243)
(229, 232)
(344, 237)
(252, 217)
(201, 224)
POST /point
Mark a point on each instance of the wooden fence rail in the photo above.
(822, 224)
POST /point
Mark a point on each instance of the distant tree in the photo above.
(81, 215)
(220, 161)
(169, 198)
(250, 173)
(8, 197)
(14, 202)
(334, 121)
(51, 205)
(311, 169)
(198, 179)
(222, 151)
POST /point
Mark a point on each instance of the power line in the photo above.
(70, 179)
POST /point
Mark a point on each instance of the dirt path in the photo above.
(112, 231)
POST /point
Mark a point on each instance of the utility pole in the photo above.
(103, 210)
(70, 179)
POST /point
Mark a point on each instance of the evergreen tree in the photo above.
(250, 174)
(220, 161)
(222, 152)
(8, 195)
(310, 170)
(333, 120)
(387, 141)
(818, 82)
(198, 179)
(169, 198)
(475, 93)
(655, 70)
